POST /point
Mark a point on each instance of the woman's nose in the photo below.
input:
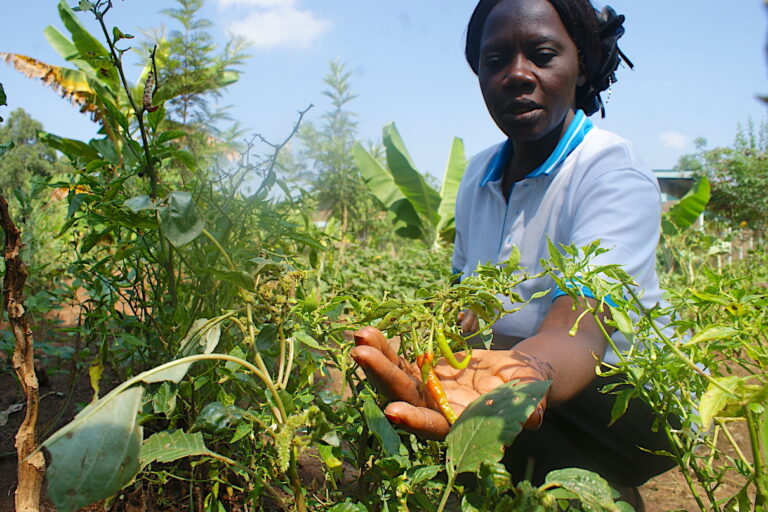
(518, 72)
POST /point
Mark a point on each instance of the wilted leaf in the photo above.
(716, 399)
(491, 422)
(715, 332)
(96, 454)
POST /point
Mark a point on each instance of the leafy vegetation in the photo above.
(215, 316)
(738, 176)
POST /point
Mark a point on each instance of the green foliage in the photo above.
(225, 312)
(492, 421)
(104, 440)
(717, 324)
(738, 176)
(420, 211)
(322, 161)
(688, 209)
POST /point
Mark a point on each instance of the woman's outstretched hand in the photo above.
(413, 409)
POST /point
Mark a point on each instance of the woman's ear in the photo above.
(582, 78)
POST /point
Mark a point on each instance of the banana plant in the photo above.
(687, 211)
(419, 210)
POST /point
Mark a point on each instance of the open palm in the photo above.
(413, 408)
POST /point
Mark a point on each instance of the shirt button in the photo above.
(508, 241)
(517, 212)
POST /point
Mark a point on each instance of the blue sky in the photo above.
(699, 65)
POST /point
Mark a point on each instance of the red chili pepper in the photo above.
(435, 387)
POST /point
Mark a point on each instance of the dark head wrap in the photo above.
(595, 34)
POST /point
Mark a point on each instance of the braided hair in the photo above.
(594, 33)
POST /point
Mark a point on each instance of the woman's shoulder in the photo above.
(478, 163)
(604, 151)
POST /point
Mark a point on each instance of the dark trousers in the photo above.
(576, 434)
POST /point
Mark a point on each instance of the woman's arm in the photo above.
(569, 361)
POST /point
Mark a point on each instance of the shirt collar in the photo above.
(574, 134)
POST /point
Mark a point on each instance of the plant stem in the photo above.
(150, 168)
(447, 491)
(209, 236)
(293, 474)
(759, 476)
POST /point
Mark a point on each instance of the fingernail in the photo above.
(394, 418)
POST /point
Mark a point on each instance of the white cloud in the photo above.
(273, 23)
(674, 140)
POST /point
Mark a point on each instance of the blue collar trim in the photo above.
(577, 130)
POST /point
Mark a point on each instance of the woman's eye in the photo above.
(543, 57)
(491, 62)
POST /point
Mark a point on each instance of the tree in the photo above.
(27, 159)
(325, 164)
(191, 61)
(738, 175)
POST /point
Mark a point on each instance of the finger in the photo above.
(387, 376)
(536, 418)
(373, 337)
(468, 321)
(425, 423)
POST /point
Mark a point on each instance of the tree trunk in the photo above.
(31, 468)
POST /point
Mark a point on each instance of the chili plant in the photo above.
(703, 373)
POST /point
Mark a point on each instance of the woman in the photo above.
(541, 65)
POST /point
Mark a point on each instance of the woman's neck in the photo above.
(527, 156)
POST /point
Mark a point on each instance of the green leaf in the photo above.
(170, 135)
(686, 211)
(73, 149)
(381, 428)
(61, 44)
(379, 181)
(421, 474)
(90, 51)
(623, 322)
(454, 170)
(348, 507)
(238, 278)
(715, 332)
(139, 203)
(164, 399)
(424, 198)
(180, 222)
(4, 148)
(97, 454)
(620, 404)
(492, 421)
(593, 491)
(169, 446)
(3, 97)
(308, 340)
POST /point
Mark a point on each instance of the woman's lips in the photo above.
(523, 113)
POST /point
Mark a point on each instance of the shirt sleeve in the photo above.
(621, 208)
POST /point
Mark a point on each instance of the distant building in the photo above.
(673, 184)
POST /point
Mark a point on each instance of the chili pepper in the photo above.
(445, 351)
(434, 386)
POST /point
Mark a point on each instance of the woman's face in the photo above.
(528, 69)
